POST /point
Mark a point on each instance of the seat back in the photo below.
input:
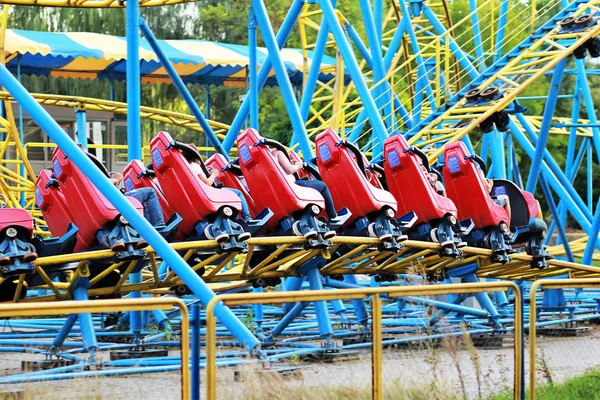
(133, 178)
(187, 195)
(90, 210)
(231, 179)
(269, 184)
(51, 202)
(410, 185)
(16, 218)
(466, 187)
(522, 204)
(348, 184)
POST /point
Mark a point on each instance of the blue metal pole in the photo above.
(182, 89)
(590, 174)
(64, 331)
(510, 150)
(315, 69)
(422, 81)
(540, 145)
(158, 243)
(501, 30)
(383, 98)
(498, 156)
(360, 310)
(589, 248)
(554, 176)
(461, 57)
(576, 106)
(134, 123)
(316, 283)
(291, 284)
(263, 74)
(195, 370)
(589, 103)
(562, 209)
(86, 325)
(258, 309)
(353, 69)
(477, 35)
(81, 127)
(253, 92)
(556, 216)
(299, 135)
(378, 19)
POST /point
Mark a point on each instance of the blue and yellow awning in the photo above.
(94, 56)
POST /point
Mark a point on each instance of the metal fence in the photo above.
(376, 320)
(99, 306)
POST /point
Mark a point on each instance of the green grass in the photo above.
(584, 387)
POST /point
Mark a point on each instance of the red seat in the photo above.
(270, 186)
(52, 204)
(188, 196)
(133, 180)
(466, 187)
(88, 207)
(410, 184)
(348, 185)
(230, 179)
(533, 206)
(16, 218)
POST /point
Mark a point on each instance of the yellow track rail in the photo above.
(286, 255)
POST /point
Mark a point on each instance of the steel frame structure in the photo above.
(408, 75)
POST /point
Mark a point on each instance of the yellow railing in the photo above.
(100, 306)
(362, 293)
(554, 284)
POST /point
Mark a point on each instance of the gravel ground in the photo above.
(563, 358)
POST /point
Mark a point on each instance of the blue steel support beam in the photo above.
(501, 30)
(315, 68)
(510, 149)
(589, 103)
(422, 82)
(461, 57)
(554, 176)
(263, 74)
(540, 145)
(81, 127)
(158, 243)
(589, 248)
(195, 370)
(253, 92)
(299, 135)
(477, 35)
(355, 72)
(590, 187)
(378, 19)
(134, 122)
(86, 325)
(182, 89)
(383, 98)
(573, 131)
(556, 217)
(562, 210)
(498, 156)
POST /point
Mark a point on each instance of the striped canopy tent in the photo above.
(83, 55)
